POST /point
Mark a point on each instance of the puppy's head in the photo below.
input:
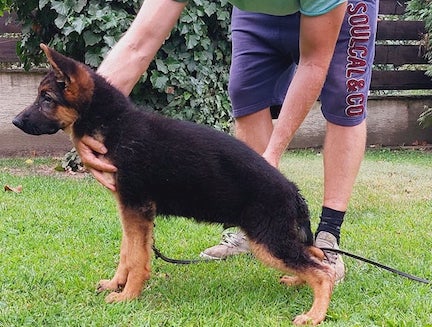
(64, 93)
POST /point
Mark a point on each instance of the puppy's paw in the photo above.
(304, 319)
(116, 297)
(291, 280)
(108, 285)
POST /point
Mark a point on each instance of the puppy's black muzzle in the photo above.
(34, 123)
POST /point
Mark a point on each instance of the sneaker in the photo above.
(232, 243)
(327, 240)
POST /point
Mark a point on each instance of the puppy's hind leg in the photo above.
(306, 268)
(293, 280)
(135, 253)
(321, 279)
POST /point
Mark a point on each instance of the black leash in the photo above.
(158, 254)
(395, 271)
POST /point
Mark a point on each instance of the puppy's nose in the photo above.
(18, 122)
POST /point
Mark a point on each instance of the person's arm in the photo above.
(132, 55)
(123, 67)
(318, 36)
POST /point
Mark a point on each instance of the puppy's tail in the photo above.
(303, 221)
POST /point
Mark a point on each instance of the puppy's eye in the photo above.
(61, 85)
(46, 97)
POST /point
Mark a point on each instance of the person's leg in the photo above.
(343, 153)
(259, 77)
(344, 148)
(254, 130)
(344, 105)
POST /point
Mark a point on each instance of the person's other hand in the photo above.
(92, 153)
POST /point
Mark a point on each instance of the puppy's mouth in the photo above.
(35, 129)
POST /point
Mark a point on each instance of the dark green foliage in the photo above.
(71, 162)
(425, 118)
(188, 78)
(4, 6)
(84, 30)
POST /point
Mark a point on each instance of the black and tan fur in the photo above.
(178, 168)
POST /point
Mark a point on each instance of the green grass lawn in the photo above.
(61, 235)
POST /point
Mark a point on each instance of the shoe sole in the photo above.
(209, 257)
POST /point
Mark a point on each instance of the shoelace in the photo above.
(231, 239)
(330, 257)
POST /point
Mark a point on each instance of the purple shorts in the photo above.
(265, 51)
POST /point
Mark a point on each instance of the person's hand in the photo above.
(92, 153)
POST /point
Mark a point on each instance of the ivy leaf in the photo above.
(160, 64)
(43, 3)
(191, 41)
(79, 5)
(158, 81)
(60, 21)
(185, 29)
(172, 64)
(79, 24)
(110, 41)
(187, 18)
(60, 7)
(223, 15)
(187, 96)
(91, 38)
(110, 22)
(198, 28)
(210, 9)
(68, 29)
(93, 59)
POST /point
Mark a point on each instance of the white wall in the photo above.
(391, 121)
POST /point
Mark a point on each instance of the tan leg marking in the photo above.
(296, 280)
(292, 281)
(321, 280)
(135, 253)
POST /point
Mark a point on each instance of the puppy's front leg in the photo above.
(135, 252)
(118, 282)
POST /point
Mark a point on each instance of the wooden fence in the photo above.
(8, 39)
(400, 48)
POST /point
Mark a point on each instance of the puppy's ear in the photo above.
(73, 76)
(62, 66)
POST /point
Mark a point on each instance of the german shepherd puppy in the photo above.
(178, 168)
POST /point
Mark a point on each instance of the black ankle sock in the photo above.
(331, 221)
